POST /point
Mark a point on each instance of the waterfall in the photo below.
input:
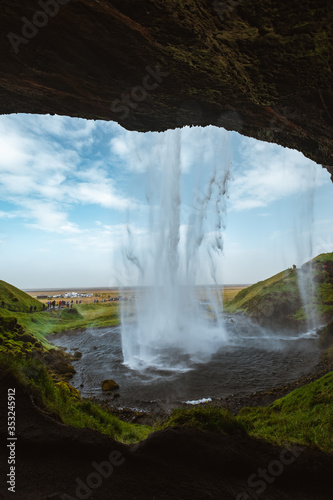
(168, 325)
(304, 245)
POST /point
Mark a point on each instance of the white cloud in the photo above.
(7, 215)
(269, 172)
(138, 151)
(46, 216)
(45, 178)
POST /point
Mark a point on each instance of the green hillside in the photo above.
(44, 371)
(304, 416)
(278, 301)
(13, 299)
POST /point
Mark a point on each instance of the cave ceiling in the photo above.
(261, 68)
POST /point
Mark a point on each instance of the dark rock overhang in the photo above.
(262, 68)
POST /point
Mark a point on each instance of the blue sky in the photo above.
(71, 188)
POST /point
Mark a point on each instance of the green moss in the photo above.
(207, 418)
(305, 416)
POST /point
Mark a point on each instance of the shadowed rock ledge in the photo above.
(261, 68)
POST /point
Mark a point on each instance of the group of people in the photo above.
(61, 303)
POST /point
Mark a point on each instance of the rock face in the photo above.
(58, 362)
(261, 68)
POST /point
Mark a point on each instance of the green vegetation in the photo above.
(43, 323)
(27, 355)
(13, 299)
(274, 287)
(205, 418)
(305, 416)
(278, 299)
(62, 400)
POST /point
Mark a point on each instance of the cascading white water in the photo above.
(167, 327)
(304, 245)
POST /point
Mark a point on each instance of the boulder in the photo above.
(77, 355)
(109, 385)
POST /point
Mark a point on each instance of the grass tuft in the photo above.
(206, 418)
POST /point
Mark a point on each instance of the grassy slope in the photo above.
(16, 300)
(40, 324)
(278, 298)
(304, 416)
(62, 400)
(284, 281)
(23, 343)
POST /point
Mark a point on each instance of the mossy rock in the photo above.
(58, 362)
(68, 389)
(77, 355)
(8, 324)
(109, 385)
(27, 338)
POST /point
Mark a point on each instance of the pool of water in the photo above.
(252, 359)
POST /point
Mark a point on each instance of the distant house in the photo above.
(42, 297)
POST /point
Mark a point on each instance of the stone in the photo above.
(109, 385)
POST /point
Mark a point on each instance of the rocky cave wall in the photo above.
(262, 68)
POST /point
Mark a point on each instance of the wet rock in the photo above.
(58, 362)
(77, 355)
(109, 385)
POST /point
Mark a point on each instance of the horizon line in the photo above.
(58, 289)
